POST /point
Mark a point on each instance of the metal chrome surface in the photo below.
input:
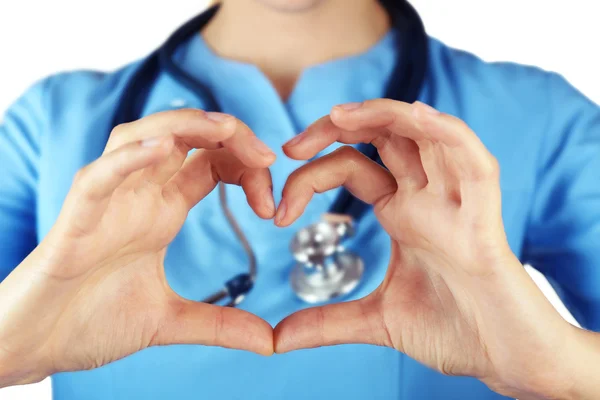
(335, 278)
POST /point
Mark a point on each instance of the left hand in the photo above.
(455, 297)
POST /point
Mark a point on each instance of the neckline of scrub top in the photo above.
(243, 90)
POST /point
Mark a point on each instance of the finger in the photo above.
(160, 173)
(449, 151)
(358, 321)
(397, 117)
(321, 134)
(401, 156)
(472, 159)
(256, 182)
(204, 169)
(197, 129)
(189, 322)
(424, 125)
(94, 184)
(356, 123)
(472, 174)
(346, 167)
(258, 186)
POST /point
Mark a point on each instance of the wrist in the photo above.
(570, 373)
(19, 371)
(583, 365)
(537, 355)
(27, 298)
(541, 376)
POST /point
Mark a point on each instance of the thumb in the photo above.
(358, 321)
(190, 322)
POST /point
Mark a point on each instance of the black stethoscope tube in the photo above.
(404, 85)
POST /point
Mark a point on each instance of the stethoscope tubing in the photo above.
(405, 85)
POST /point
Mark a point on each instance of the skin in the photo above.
(284, 37)
(94, 290)
(455, 297)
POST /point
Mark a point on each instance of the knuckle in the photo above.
(193, 112)
(219, 325)
(327, 129)
(351, 158)
(116, 137)
(80, 175)
(119, 130)
(320, 322)
(300, 181)
(297, 175)
(187, 113)
(347, 152)
(491, 168)
(380, 103)
(495, 165)
(81, 182)
(373, 103)
(119, 162)
(460, 124)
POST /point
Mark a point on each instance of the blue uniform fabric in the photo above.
(545, 134)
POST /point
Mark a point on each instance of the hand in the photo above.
(455, 297)
(94, 291)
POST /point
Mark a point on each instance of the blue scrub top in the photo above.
(545, 134)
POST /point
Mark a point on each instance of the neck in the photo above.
(283, 44)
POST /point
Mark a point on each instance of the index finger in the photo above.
(197, 129)
(373, 121)
(418, 122)
(384, 121)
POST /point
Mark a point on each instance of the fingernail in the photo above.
(280, 212)
(152, 142)
(269, 201)
(427, 108)
(350, 106)
(294, 141)
(260, 147)
(217, 117)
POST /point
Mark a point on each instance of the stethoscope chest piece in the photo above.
(325, 270)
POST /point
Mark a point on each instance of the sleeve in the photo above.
(563, 236)
(20, 128)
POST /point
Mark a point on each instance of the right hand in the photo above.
(94, 290)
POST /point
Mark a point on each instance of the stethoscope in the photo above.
(325, 269)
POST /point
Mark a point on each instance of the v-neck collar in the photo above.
(243, 90)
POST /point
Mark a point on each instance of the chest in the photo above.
(206, 252)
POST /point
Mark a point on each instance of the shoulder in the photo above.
(84, 88)
(466, 74)
(520, 112)
(61, 94)
(469, 74)
(527, 94)
(64, 114)
(63, 102)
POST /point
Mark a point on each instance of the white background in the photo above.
(40, 37)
